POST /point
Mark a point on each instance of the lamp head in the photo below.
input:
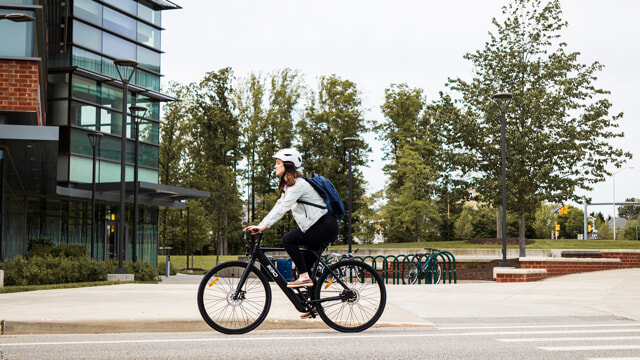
(503, 100)
(350, 142)
(95, 138)
(138, 111)
(125, 68)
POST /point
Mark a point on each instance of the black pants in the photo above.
(319, 235)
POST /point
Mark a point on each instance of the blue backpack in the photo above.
(329, 194)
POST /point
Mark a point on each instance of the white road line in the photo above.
(536, 326)
(595, 338)
(589, 348)
(617, 358)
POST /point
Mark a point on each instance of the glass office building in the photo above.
(83, 93)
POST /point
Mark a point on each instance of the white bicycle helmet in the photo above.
(291, 155)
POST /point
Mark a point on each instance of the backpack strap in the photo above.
(312, 204)
(314, 188)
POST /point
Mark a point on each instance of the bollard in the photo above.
(168, 265)
(1, 278)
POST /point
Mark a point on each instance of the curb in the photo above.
(105, 327)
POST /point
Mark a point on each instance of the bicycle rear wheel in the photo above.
(227, 314)
(410, 273)
(356, 307)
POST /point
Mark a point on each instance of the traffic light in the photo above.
(566, 209)
(589, 228)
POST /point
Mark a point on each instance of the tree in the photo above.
(544, 221)
(558, 124)
(629, 212)
(213, 154)
(463, 225)
(174, 137)
(412, 177)
(334, 113)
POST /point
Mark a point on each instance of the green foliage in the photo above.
(544, 221)
(629, 212)
(631, 230)
(65, 264)
(558, 123)
(463, 225)
(334, 113)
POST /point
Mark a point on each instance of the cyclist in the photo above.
(316, 228)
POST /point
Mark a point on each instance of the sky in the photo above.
(375, 43)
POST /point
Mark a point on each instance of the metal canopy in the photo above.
(149, 194)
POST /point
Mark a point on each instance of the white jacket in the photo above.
(305, 215)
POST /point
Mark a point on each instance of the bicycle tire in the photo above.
(226, 315)
(360, 305)
(438, 275)
(410, 273)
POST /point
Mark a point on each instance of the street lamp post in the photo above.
(135, 110)
(503, 100)
(350, 143)
(125, 69)
(94, 138)
(613, 179)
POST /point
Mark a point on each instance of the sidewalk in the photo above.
(171, 305)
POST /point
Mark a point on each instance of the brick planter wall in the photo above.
(19, 86)
(565, 266)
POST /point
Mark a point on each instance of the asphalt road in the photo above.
(584, 338)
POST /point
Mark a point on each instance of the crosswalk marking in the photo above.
(585, 338)
(590, 347)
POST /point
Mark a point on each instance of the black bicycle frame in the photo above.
(299, 298)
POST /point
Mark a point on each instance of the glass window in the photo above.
(117, 47)
(150, 81)
(149, 35)
(87, 36)
(85, 89)
(153, 107)
(146, 12)
(119, 23)
(58, 86)
(111, 97)
(128, 6)
(149, 59)
(148, 132)
(88, 10)
(148, 155)
(105, 121)
(86, 59)
(83, 115)
(20, 43)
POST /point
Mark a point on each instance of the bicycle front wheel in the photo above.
(222, 309)
(410, 273)
(355, 307)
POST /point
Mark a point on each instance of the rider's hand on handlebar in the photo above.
(254, 229)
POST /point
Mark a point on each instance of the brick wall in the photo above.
(565, 266)
(19, 86)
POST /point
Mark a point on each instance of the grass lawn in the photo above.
(537, 244)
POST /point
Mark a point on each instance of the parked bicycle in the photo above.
(430, 271)
(235, 297)
(332, 259)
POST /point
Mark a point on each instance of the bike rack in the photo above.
(393, 265)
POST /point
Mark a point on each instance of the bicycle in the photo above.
(332, 259)
(235, 297)
(431, 271)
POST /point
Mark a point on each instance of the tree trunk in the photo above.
(523, 251)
